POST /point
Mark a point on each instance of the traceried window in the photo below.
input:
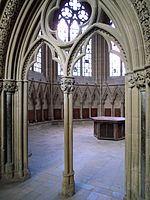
(73, 14)
(37, 66)
(116, 65)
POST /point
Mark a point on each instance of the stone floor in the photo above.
(98, 166)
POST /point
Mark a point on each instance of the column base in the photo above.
(68, 186)
(9, 171)
(11, 176)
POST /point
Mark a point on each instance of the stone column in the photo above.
(137, 166)
(122, 108)
(68, 188)
(9, 89)
(81, 109)
(112, 108)
(147, 141)
(1, 129)
(128, 138)
(90, 109)
(26, 172)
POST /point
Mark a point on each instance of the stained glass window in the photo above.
(37, 66)
(117, 67)
(73, 14)
(38, 63)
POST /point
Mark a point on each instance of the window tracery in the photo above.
(37, 66)
(116, 65)
(71, 21)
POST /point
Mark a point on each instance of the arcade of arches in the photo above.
(51, 72)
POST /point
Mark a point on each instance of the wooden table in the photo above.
(110, 128)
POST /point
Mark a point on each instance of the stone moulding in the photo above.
(7, 22)
(144, 17)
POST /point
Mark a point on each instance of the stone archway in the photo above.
(15, 54)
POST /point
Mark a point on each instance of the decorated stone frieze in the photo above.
(67, 84)
(10, 86)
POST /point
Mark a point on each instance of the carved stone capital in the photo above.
(148, 76)
(140, 80)
(67, 84)
(1, 86)
(131, 81)
(10, 86)
(137, 79)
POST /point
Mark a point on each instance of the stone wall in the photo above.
(45, 101)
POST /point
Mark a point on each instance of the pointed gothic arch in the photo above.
(132, 25)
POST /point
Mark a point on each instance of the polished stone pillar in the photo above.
(143, 139)
(26, 172)
(9, 89)
(128, 138)
(137, 137)
(68, 188)
(147, 140)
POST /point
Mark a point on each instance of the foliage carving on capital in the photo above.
(10, 86)
(67, 84)
(140, 79)
(1, 86)
(148, 76)
(131, 81)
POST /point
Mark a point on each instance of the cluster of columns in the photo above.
(68, 187)
(138, 135)
(14, 142)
